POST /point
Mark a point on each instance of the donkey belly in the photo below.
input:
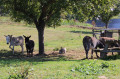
(17, 44)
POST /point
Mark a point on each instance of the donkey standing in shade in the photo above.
(15, 41)
(91, 43)
(29, 45)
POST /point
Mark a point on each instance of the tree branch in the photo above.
(30, 15)
(45, 8)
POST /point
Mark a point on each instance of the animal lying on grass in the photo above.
(15, 41)
(62, 50)
(29, 46)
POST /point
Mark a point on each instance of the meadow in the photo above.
(71, 65)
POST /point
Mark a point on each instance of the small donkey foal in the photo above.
(29, 46)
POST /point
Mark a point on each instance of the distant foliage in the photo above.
(74, 22)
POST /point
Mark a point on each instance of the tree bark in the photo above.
(40, 27)
(106, 25)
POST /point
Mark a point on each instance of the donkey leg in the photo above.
(10, 47)
(27, 52)
(31, 52)
(13, 49)
(112, 53)
(97, 55)
(91, 53)
(86, 54)
(22, 48)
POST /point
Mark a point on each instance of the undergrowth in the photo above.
(92, 68)
(24, 72)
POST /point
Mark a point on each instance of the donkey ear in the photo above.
(5, 35)
(11, 35)
(29, 36)
(24, 36)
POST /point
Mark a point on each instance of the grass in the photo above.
(61, 69)
(53, 66)
(72, 22)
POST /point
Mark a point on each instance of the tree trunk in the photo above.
(40, 27)
(106, 25)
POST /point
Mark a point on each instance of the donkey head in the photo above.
(8, 38)
(26, 38)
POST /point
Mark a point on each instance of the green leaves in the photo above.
(108, 11)
(50, 11)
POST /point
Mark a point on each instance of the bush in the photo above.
(21, 73)
(56, 49)
(91, 68)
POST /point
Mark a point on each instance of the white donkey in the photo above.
(15, 41)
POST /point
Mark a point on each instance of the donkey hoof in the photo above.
(87, 58)
(98, 57)
(91, 57)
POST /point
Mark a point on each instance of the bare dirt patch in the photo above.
(72, 54)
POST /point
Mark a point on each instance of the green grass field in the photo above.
(53, 66)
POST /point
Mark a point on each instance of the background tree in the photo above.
(1, 8)
(106, 12)
(90, 9)
(110, 12)
(48, 12)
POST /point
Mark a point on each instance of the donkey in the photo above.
(29, 45)
(91, 43)
(113, 43)
(15, 41)
(62, 50)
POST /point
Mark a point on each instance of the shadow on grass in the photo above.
(113, 57)
(83, 32)
(108, 58)
(7, 58)
(5, 54)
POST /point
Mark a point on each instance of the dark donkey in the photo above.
(91, 43)
(29, 46)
